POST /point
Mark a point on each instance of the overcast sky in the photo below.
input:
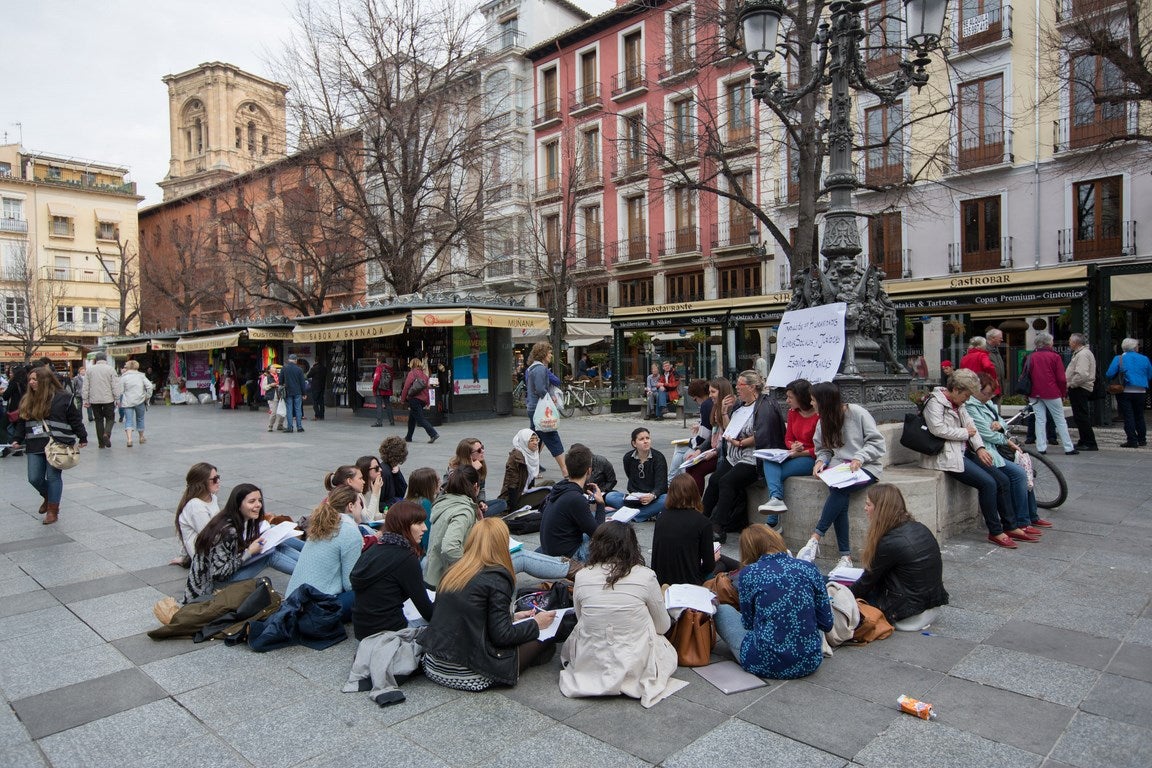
(82, 77)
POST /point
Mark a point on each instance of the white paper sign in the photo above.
(809, 345)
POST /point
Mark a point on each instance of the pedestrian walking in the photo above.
(382, 390)
(1136, 370)
(47, 413)
(101, 391)
(1081, 376)
(415, 393)
(537, 384)
(270, 388)
(1049, 387)
(137, 389)
(292, 389)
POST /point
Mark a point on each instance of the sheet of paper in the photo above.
(625, 514)
(690, 596)
(778, 455)
(550, 631)
(702, 456)
(278, 534)
(739, 420)
(633, 497)
(410, 611)
(842, 476)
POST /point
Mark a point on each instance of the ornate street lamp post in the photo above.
(871, 317)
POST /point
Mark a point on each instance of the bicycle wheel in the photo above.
(566, 406)
(1048, 482)
(520, 396)
(593, 405)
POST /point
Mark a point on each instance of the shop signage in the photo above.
(204, 343)
(270, 334)
(494, 318)
(993, 299)
(162, 345)
(120, 350)
(438, 318)
(350, 330)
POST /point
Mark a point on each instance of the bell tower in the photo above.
(222, 121)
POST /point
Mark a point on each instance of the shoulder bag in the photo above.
(916, 436)
(1024, 383)
(60, 455)
(725, 590)
(1116, 383)
(693, 636)
(873, 624)
(417, 386)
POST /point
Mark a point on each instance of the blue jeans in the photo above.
(45, 478)
(835, 513)
(984, 480)
(776, 473)
(676, 460)
(1023, 499)
(539, 565)
(1131, 405)
(647, 512)
(134, 417)
(1054, 408)
(730, 627)
(496, 507)
(295, 407)
(416, 416)
(282, 559)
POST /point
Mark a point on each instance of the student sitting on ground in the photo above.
(701, 430)
(333, 547)
(568, 522)
(388, 573)
(682, 547)
(472, 642)
(784, 610)
(647, 472)
(197, 506)
(470, 451)
(618, 646)
(903, 571)
(423, 487)
(521, 472)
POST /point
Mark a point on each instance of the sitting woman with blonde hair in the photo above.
(474, 640)
(333, 547)
(903, 571)
(784, 610)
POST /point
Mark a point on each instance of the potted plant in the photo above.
(699, 336)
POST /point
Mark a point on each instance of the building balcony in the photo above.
(513, 118)
(1067, 10)
(734, 234)
(787, 191)
(547, 113)
(633, 81)
(511, 191)
(505, 41)
(739, 138)
(883, 175)
(584, 99)
(1109, 241)
(589, 174)
(128, 188)
(592, 255)
(1105, 122)
(78, 275)
(626, 166)
(989, 27)
(677, 67)
(13, 225)
(990, 147)
(684, 241)
(628, 251)
(896, 262)
(982, 260)
(683, 149)
(591, 309)
(510, 273)
(547, 187)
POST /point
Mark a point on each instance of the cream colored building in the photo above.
(223, 121)
(59, 217)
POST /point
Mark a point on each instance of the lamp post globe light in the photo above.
(871, 319)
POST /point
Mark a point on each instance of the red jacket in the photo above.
(671, 385)
(382, 380)
(1048, 380)
(978, 361)
(422, 395)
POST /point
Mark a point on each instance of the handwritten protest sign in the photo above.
(809, 345)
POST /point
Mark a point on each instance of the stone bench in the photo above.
(944, 505)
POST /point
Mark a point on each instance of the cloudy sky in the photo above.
(82, 77)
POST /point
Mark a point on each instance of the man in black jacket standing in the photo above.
(317, 381)
(567, 521)
(292, 385)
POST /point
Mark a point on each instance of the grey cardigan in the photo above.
(862, 440)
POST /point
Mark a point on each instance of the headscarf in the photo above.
(531, 457)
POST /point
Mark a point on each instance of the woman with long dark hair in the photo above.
(389, 573)
(227, 548)
(618, 646)
(470, 452)
(423, 487)
(472, 642)
(46, 413)
(371, 472)
(17, 386)
(723, 399)
(333, 547)
(197, 506)
(903, 571)
(845, 434)
(798, 439)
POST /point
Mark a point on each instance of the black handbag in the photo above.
(916, 436)
(1024, 383)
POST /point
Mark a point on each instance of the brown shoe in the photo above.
(51, 515)
(43, 507)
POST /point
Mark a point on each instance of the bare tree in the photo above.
(127, 282)
(187, 274)
(29, 300)
(404, 76)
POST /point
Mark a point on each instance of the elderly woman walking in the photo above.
(1049, 388)
(137, 390)
(1136, 370)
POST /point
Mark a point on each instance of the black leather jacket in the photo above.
(906, 574)
(768, 422)
(473, 627)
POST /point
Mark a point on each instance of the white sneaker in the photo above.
(844, 562)
(810, 551)
(773, 505)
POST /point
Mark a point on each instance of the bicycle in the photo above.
(576, 395)
(1048, 481)
(520, 395)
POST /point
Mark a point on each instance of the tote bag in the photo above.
(915, 435)
(546, 417)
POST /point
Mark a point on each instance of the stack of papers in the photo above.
(690, 596)
(844, 575)
(778, 455)
(277, 535)
(624, 514)
(842, 476)
(703, 456)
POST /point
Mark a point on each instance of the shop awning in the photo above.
(57, 208)
(122, 350)
(438, 318)
(162, 345)
(350, 329)
(505, 318)
(16, 354)
(201, 343)
(109, 215)
(1136, 287)
(270, 334)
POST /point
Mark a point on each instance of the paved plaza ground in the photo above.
(1043, 658)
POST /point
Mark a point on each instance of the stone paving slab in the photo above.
(1044, 656)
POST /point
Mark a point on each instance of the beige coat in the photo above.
(1081, 371)
(618, 646)
(952, 424)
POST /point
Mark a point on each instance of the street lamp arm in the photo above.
(767, 86)
(911, 74)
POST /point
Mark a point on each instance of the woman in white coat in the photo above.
(134, 401)
(618, 646)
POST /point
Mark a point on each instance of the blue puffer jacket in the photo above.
(1137, 369)
(308, 617)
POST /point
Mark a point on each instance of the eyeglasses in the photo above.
(375, 468)
(214, 479)
(478, 450)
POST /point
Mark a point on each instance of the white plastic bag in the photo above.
(546, 417)
(281, 408)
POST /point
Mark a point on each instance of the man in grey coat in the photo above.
(101, 392)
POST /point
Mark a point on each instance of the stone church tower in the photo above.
(222, 121)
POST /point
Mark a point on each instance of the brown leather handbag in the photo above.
(725, 591)
(873, 624)
(693, 636)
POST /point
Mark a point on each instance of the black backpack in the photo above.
(523, 522)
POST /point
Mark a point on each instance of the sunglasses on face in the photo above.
(214, 479)
(479, 449)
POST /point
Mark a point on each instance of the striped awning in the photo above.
(201, 343)
(351, 329)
